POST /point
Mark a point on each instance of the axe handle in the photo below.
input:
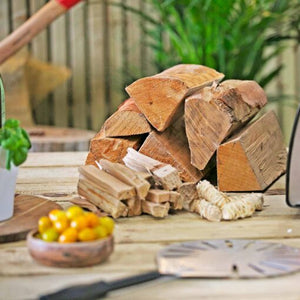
(25, 33)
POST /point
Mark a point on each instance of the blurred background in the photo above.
(73, 74)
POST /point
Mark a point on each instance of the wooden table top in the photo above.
(54, 176)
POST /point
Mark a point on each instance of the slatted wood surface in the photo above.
(105, 47)
(55, 175)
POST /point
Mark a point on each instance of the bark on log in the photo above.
(158, 97)
(253, 158)
(212, 114)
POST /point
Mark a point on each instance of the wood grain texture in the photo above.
(253, 158)
(27, 211)
(159, 97)
(171, 147)
(213, 113)
(126, 121)
(113, 149)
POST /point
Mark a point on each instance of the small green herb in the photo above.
(15, 141)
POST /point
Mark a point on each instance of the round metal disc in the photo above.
(228, 258)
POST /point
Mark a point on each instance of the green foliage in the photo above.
(232, 36)
(15, 141)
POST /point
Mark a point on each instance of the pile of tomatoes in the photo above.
(74, 225)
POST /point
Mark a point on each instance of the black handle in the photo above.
(99, 289)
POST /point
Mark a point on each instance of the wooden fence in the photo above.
(105, 48)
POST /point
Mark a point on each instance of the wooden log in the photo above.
(213, 113)
(158, 97)
(107, 183)
(126, 121)
(158, 210)
(113, 149)
(127, 176)
(104, 201)
(163, 174)
(171, 147)
(253, 158)
(134, 206)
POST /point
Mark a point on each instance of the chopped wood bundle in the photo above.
(164, 174)
(128, 176)
(113, 149)
(126, 121)
(253, 158)
(159, 97)
(213, 113)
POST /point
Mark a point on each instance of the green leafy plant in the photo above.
(235, 37)
(13, 139)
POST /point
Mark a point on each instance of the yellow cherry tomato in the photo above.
(92, 219)
(68, 236)
(74, 212)
(44, 224)
(50, 235)
(87, 234)
(79, 223)
(101, 232)
(57, 215)
(61, 225)
(108, 223)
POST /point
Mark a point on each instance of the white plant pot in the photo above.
(8, 180)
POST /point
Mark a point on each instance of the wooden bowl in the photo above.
(71, 255)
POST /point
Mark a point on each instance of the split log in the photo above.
(163, 174)
(104, 201)
(126, 121)
(212, 114)
(107, 183)
(158, 210)
(113, 149)
(134, 206)
(253, 158)
(127, 176)
(171, 147)
(158, 97)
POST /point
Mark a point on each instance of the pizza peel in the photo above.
(202, 259)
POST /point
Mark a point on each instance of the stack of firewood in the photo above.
(186, 118)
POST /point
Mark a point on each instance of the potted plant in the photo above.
(14, 146)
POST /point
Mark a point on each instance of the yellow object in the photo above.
(74, 212)
(101, 232)
(92, 219)
(108, 223)
(79, 223)
(44, 224)
(50, 235)
(87, 234)
(68, 236)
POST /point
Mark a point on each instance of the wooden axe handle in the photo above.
(25, 33)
